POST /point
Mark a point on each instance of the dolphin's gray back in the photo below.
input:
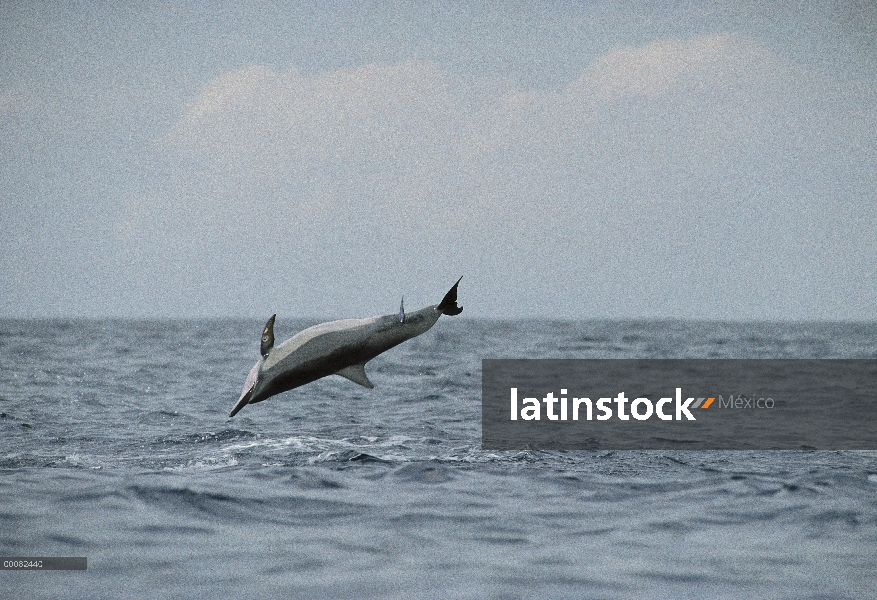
(362, 339)
(320, 340)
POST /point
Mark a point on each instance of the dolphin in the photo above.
(335, 348)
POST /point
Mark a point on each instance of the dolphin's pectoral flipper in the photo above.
(402, 310)
(268, 336)
(448, 305)
(356, 374)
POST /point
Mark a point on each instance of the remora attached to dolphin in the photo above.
(335, 348)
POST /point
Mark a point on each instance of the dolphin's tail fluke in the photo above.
(448, 305)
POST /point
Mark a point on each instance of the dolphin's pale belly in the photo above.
(326, 353)
(302, 371)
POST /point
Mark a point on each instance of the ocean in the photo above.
(115, 445)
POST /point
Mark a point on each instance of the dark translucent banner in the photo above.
(43, 563)
(679, 404)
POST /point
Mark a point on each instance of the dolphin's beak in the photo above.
(252, 379)
(245, 399)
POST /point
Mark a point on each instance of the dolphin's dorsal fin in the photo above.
(268, 336)
(356, 374)
(402, 310)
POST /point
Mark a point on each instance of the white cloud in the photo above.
(666, 66)
(713, 136)
(264, 120)
(258, 113)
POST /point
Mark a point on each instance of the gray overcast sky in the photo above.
(585, 160)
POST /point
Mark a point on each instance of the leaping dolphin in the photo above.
(335, 348)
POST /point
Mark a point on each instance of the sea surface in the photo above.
(115, 444)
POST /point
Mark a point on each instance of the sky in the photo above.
(571, 160)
